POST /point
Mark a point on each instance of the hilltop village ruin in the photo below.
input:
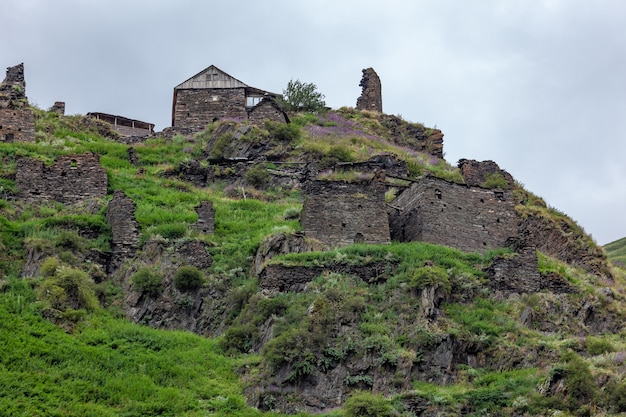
(467, 216)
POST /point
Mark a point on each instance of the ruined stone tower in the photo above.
(371, 96)
(17, 120)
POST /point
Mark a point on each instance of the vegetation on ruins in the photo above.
(68, 348)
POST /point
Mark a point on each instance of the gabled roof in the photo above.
(213, 77)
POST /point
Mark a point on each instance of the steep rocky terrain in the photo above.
(525, 329)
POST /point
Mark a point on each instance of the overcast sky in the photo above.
(539, 86)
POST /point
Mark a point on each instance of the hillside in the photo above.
(616, 251)
(148, 311)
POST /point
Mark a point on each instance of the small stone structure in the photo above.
(341, 213)
(17, 120)
(470, 219)
(58, 107)
(206, 217)
(124, 227)
(213, 95)
(72, 179)
(475, 173)
(371, 95)
(125, 126)
(267, 109)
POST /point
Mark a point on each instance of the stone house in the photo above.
(125, 126)
(339, 213)
(471, 219)
(213, 94)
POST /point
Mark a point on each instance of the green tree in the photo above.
(299, 96)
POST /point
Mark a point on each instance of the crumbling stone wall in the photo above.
(342, 213)
(196, 108)
(72, 179)
(475, 173)
(58, 107)
(470, 219)
(371, 95)
(17, 121)
(124, 227)
(206, 217)
(267, 109)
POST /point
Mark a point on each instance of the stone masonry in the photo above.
(470, 219)
(196, 108)
(371, 95)
(475, 173)
(124, 227)
(341, 213)
(206, 217)
(267, 109)
(72, 179)
(17, 120)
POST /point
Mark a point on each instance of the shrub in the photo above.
(617, 397)
(239, 339)
(219, 147)
(579, 381)
(69, 288)
(283, 132)
(429, 275)
(299, 96)
(367, 404)
(257, 176)
(148, 281)
(598, 346)
(188, 278)
(49, 267)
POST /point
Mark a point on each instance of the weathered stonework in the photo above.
(475, 173)
(197, 108)
(470, 219)
(124, 227)
(58, 107)
(72, 179)
(206, 217)
(17, 121)
(519, 273)
(371, 95)
(267, 109)
(341, 213)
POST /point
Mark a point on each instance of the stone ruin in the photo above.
(475, 173)
(471, 219)
(71, 179)
(371, 96)
(17, 120)
(124, 228)
(206, 217)
(339, 213)
(58, 107)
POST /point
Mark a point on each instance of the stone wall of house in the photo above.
(371, 96)
(471, 219)
(475, 173)
(196, 108)
(340, 213)
(267, 109)
(17, 121)
(71, 179)
(206, 217)
(124, 227)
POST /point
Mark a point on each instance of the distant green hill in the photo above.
(616, 251)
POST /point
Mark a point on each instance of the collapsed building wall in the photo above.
(71, 179)
(470, 219)
(340, 213)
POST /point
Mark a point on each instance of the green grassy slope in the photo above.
(93, 362)
(616, 251)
